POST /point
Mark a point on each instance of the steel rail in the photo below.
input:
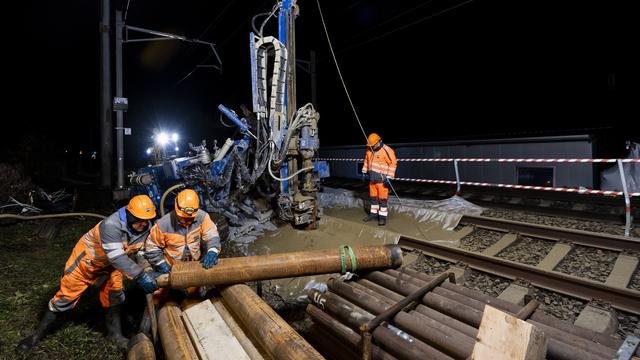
(620, 298)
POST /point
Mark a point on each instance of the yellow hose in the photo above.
(164, 196)
(36, 217)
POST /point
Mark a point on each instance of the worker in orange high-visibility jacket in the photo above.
(179, 235)
(380, 163)
(103, 252)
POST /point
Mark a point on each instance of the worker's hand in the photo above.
(163, 268)
(210, 259)
(147, 283)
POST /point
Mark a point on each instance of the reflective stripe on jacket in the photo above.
(382, 161)
(107, 244)
(171, 241)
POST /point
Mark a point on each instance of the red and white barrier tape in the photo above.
(527, 187)
(499, 160)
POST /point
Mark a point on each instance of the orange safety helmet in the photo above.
(142, 207)
(373, 139)
(187, 203)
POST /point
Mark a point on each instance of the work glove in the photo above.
(210, 259)
(163, 268)
(147, 283)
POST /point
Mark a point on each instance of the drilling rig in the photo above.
(271, 159)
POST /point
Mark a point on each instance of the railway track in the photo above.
(544, 273)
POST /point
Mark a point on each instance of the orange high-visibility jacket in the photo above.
(382, 161)
(171, 241)
(108, 244)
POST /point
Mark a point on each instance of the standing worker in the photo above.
(103, 251)
(178, 234)
(380, 163)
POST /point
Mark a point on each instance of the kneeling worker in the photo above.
(103, 251)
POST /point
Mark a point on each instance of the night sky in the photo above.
(460, 69)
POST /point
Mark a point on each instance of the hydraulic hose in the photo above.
(36, 217)
(164, 196)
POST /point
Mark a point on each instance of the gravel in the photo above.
(527, 250)
(628, 324)
(557, 221)
(487, 284)
(558, 306)
(429, 265)
(480, 239)
(587, 262)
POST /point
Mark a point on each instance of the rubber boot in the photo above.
(46, 323)
(370, 217)
(114, 327)
(382, 221)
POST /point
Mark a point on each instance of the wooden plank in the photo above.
(210, 334)
(504, 337)
(248, 346)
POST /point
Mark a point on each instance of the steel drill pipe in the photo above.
(575, 341)
(557, 350)
(388, 294)
(448, 306)
(266, 327)
(343, 332)
(433, 333)
(398, 343)
(140, 348)
(606, 340)
(458, 325)
(330, 346)
(251, 268)
(495, 302)
(174, 337)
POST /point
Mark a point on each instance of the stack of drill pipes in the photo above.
(439, 335)
(345, 335)
(265, 326)
(264, 267)
(562, 344)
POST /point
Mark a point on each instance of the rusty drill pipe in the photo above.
(575, 341)
(474, 294)
(330, 346)
(173, 334)
(557, 350)
(457, 325)
(606, 340)
(251, 268)
(140, 348)
(397, 343)
(343, 332)
(274, 335)
(432, 333)
(448, 306)
(388, 294)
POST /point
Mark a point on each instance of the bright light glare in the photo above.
(162, 138)
(148, 151)
(174, 137)
(177, 148)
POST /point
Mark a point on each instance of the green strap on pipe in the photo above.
(343, 259)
